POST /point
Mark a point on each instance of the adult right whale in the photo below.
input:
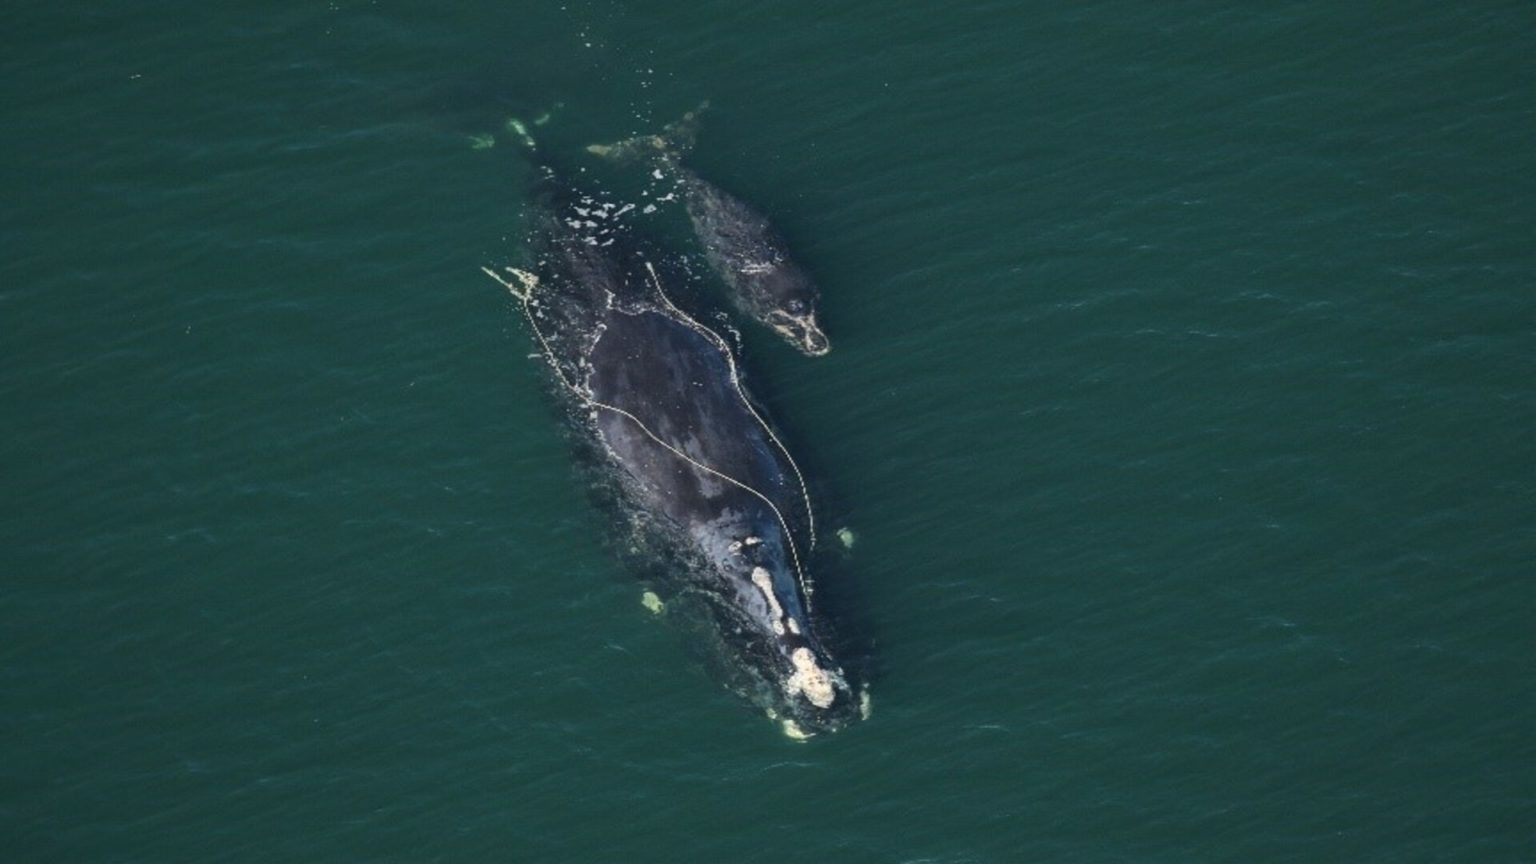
(659, 400)
(741, 245)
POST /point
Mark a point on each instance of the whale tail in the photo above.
(674, 140)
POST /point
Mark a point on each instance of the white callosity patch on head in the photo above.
(810, 679)
(817, 684)
(764, 583)
(786, 331)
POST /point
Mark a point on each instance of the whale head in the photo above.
(797, 322)
(791, 673)
(780, 295)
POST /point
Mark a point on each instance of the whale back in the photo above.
(671, 378)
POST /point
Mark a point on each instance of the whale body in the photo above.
(659, 398)
(742, 247)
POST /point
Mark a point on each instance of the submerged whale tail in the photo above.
(515, 128)
(674, 140)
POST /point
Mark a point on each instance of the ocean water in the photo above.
(1181, 403)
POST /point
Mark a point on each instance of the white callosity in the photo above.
(810, 679)
(815, 683)
(764, 583)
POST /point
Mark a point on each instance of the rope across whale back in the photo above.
(524, 293)
(730, 359)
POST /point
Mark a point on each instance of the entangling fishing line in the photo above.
(730, 359)
(529, 282)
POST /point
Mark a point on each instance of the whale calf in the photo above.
(659, 399)
(740, 244)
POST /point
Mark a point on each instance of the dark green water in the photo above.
(1182, 404)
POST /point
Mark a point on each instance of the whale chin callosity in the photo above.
(659, 402)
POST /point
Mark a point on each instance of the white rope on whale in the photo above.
(730, 359)
(529, 282)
